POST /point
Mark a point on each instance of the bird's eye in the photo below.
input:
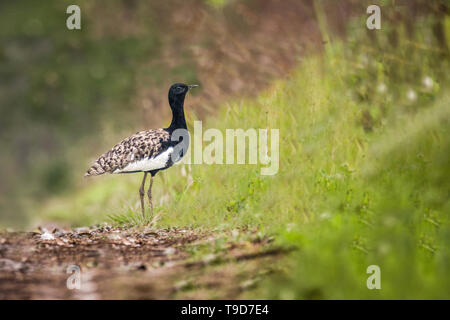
(180, 89)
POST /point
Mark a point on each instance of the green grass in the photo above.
(363, 179)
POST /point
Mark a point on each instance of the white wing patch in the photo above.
(148, 164)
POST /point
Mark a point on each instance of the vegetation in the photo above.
(363, 179)
(61, 87)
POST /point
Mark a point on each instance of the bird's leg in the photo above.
(141, 193)
(149, 194)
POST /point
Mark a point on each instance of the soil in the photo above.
(117, 263)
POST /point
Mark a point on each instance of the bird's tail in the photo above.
(95, 170)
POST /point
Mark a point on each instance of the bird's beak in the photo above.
(192, 86)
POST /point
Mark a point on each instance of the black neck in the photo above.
(178, 119)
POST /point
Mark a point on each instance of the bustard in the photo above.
(149, 151)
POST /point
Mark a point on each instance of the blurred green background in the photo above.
(61, 88)
(363, 118)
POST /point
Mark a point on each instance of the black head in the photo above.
(178, 91)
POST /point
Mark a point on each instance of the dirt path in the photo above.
(117, 263)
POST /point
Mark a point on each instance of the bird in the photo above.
(149, 151)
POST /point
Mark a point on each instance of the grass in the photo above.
(363, 179)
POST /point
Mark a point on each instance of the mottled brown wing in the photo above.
(143, 144)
